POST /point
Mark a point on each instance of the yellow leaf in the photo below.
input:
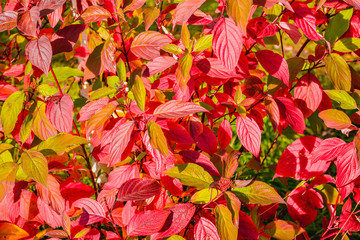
(157, 138)
(35, 165)
(185, 36)
(239, 11)
(139, 92)
(9, 231)
(338, 71)
(224, 224)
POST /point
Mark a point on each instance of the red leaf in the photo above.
(108, 55)
(184, 10)
(173, 185)
(28, 22)
(296, 161)
(177, 109)
(291, 30)
(120, 139)
(328, 150)
(273, 112)
(200, 159)
(120, 175)
(51, 217)
(48, 6)
(274, 64)
(39, 53)
(247, 229)
(147, 222)
(206, 140)
(15, 70)
(205, 229)
(224, 134)
(175, 132)
(347, 164)
(308, 94)
(147, 44)
(306, 21)
(180, 216)
(227, 42)
(6, 89)
(73, 191)
(214, 68)
(138, 189)
(90, 109)
(249, 134)
(92, 211)
(291, 114)
(302, 205)
(158, 65)
(60, 113)
(348, 220)
(8, 20)
(64, 39)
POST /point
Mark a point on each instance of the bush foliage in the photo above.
(179, 119)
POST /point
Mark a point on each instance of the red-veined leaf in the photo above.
(135, 4)
(41, 124)
(224, 134)
(306, 21)
(120, 139)
(184, 10)
(90, 108)
(177, 109)
(334, 118)
(120, 175)
(273, 111)
(6, 89)
(52, 195)
(138, 189)
(159, 64)
(108, 55)
(39, 53)
(205, 229)
(347, 164)
(290, 30)
(60, 113)
(147, 222)
(348, 220)
(180, 216)
(95, 13)
(353, 3)
(48, 6)
(49, 215)
(8, 20)
(28, 22)
(147, 44)
(214, 68)
(296, 160)
(92, 211)
(328, 150)
(308, 94)
(274, 64)
(249, 134)
(227, 42)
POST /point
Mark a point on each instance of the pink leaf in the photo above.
(177, 109)
(48, 6)
(205, 229)
(214, 68)
(184, 10)
(306, 21)
(92, 211)
(227, 42)
(249, 134)
(296, 161)
(290, 30)
(39, 53)
(347, 164)
(6, 89)
(138, 189)
(120, 175)
(224, 134)
(180, 216)
(354, 3)
(51, 217)
(291, 114)
(147, 222)
(328, 150)
(158, 65)
(308, 94)
(200, 159)
(120, 140)
(8, 20)
(64, 39)
(60, 113)
(274, 64)
(90, 109)
(147, 44)
(348, 220)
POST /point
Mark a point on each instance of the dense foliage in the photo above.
(173, 119)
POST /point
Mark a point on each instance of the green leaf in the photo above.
(62, 73)
(343, 98)
(11, 110)
(150, 15)
(338, 25)
(203, 43)
(258, 193)
(329, 193)
(139, 92)
(347, 45)
(283, 230)
(35, 166)
(191, 174)
(121, 70)
(172, 48)
(338, 71)
(47, 90)
(157, 138)
(205, 196)
(101, 92)
(183, 71)
(60, 142)
(224, 224)
(239, 11)
(113, 81)
(175, 237)
(234, 205)
(295, 66)
(185, 36)
(8, 170)
(334, 118)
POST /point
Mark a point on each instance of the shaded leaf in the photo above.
(184, 10)
(92, 210)
(239, 10)
(138, 189)
(48, 6)
(205, 229)
(284, 230)
(274, 64)
(343, 98)
(338, 25)
(347, 45)
(60, 142)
